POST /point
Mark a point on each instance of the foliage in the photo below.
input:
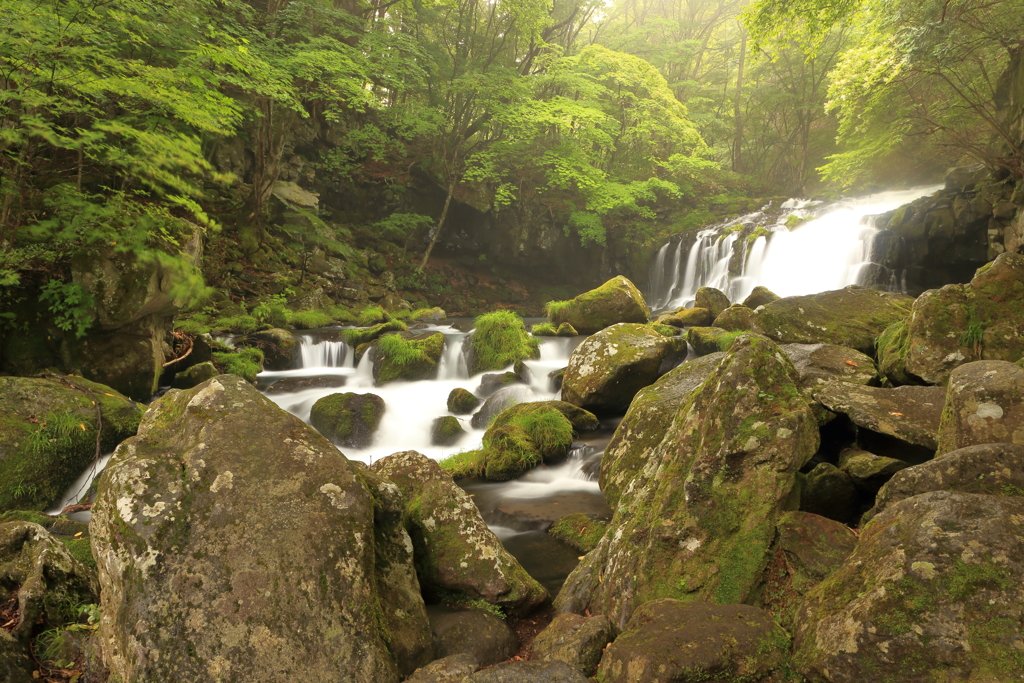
(245, 362)
(71, 306)
(500, 339)
(464, 464)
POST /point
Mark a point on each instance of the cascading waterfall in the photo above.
(317, 353)
(829, 251)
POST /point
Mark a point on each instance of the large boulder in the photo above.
(499, 339)
(910, 414)
(682, 529)
(760, 296)
(985, 404)
(647, 421)
(869, 472)
(527, 672)
(457, 556)
(713, 300)
(576, 640)
(668, 641)
(616, 301)
(462, 401)
(348, 419)
(42, 582)
(473, 632)
(807, 549)
(933, 592)
(450, 669)
(232, 553)
(735, 318)
(830, 492)
(607, 370)
(705, 340)
(48, 434)
(407, 357)
(279, 347)
(852, 317)
(500, 400)
(995, 469)
(958, 324)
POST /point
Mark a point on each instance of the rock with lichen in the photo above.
(669, 640)
(958, 324)
(616, 301)
(269, 552)
(933, 592)
(984, 404)
(577, 640)
(607, 370)
(681, 529)
(457, 557)
(853, 317)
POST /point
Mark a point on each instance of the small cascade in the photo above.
(453, 363)
(832, 248)
(79, 490)
(324, 353)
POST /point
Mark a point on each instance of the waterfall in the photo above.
(324, 353)
(831, 250)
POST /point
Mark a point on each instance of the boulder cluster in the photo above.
(829, 489)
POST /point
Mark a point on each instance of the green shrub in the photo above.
(553, 308)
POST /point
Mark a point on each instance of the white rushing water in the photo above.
(827, 252)
(412, 407)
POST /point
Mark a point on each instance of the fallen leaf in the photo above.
(852, 364)
(79, 534)
(82, 425)
(896, 414)
(581, 557)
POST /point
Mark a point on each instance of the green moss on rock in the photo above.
(509, 453)
(363, 335)
(616, 301)
(579, 531)
(400, 358)
(446, 431)
(462, 402)
(498, 340)
(347, 418)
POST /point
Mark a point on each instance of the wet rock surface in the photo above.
(576, 640)
(348, 419)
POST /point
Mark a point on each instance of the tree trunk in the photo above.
(440, 224)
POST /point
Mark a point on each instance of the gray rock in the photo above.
(995, 469)
(910, 414)
(348, 419)
(278, 346)
(194, 376)
(499, 401)
(714, 300)
(262, 546)
(933, 592)
(985, 404)
(819, 364)
(527, 672)
(455, 551)
(829, 492)
(482, 636)
(735, 318)
(450, 669)
(668, 641)
(867, 470)
(576, 640)
(607, 370)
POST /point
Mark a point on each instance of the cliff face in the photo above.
(1010, 98)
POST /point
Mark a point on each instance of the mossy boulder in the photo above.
(446, 431)
(551, 330)
(278, 346)
(909, 414)
(450, 669)
(760, 296)
(735, 318)
(995, 469)
(500, 400)
(807, 549)
(868, 471)
(358, 336)
(567, 330)
(462, 402)
(491, 382)
(48, 435)
(852, 317)
(607, 370)
(262, 546)
(576, 640)
(49, 581)
(682, 529)
(348, 419)
(616, 301)
(579, 531)
(518, 671)
(933, 592)
(498, 340)
(409, 358)
(984, 404)
(474, 632)
(669, 640)
(194, 375)
(548, 424)
(687, 317)
(74, 535)
(714, 301)
(508, 453)
(705, 340)
(958, 324)
(830, 492)
(457, 556)
(647, 421)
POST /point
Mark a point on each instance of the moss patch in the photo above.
(245, 362)
(579, 531)
(499, 340)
